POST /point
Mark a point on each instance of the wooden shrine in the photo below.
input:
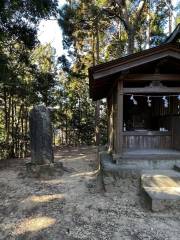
(143, 98)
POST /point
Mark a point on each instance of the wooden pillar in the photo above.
(110, 122)
(97, 120)
(119, 125)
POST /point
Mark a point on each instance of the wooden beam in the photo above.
(152, 77)
(155, 90)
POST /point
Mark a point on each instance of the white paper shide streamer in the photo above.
(134, 100)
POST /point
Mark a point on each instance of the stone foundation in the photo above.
(45, 170)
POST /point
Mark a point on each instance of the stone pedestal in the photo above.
(44, 171)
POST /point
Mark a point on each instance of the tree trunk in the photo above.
(8, 120)
(131, 36)
(148, 30)
(97, 109)
(170, 16)
(5, 110)
(26, 131)
(66, 127)
(22, 133)
(97, 132)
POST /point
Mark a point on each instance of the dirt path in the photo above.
(69, 207)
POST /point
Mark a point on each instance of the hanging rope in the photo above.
(153, 96)
(149, 101)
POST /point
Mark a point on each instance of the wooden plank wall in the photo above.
(170, 119)
(147, 142)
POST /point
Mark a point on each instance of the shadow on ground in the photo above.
(70, 207)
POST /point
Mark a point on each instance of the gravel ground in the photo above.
(70, 207)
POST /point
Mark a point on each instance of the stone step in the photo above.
(161, 189)
(148, 164)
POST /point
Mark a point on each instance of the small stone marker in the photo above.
(42, 157)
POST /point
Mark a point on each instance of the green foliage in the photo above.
(93, 32)
(44, 81)
(98, 31)
(178, 13)
(22, 81)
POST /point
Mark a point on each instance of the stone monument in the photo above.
(41, 136)
(42, 157)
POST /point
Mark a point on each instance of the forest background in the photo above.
(94, 32)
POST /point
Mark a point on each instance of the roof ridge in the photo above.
(174, 35)
(131, 56)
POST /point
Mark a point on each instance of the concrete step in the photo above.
(149, 164)
(161, 189)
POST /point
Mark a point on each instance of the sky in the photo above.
(50, 32)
